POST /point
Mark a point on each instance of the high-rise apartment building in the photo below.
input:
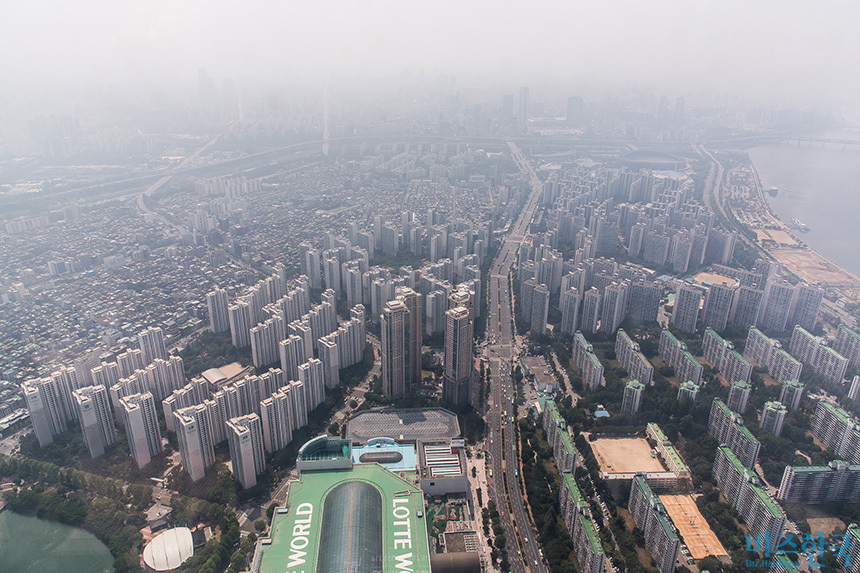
(311, 374)
(718, 306)
(742, 489)
(805, 305)
(141, 427)
(415, 305)
(772, 417)
(775, 304)
(685, 314)
(276, 419)
(591, 310)
(847, 344)
(837, 482)
(194, 434)
(739, 395)
(394, 351)
(245, 436)
(570, 303)
(458, 356)
(292, 354)
(96, 418)
(151, 341)
(632, 400)
(653, 520)
(790, 394)
(631, 359)
(46, 410)
(219, 310)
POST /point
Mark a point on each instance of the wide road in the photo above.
(523, 548)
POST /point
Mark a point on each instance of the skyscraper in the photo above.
(96, 418)
(141, 426)
(195, 440)
(414, 303)
(524, 107)
(395, 325)
(245, 436)
(458, 355)
(219, 313)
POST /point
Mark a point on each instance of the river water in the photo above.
(31, 545)
(820, 186)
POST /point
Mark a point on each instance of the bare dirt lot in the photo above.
(625, 455)
(814, 268)
(697, 534)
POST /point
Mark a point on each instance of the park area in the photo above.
(691, 524)
(625, 455)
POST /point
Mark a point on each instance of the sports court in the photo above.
(697, 534)
(625, 455)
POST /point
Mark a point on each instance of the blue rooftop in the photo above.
(385, 452)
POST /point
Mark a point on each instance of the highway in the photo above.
(523, 548)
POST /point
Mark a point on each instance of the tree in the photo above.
(260, 525)
(334, 429)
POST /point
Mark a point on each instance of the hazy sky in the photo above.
(746, 47)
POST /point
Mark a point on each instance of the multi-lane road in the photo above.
(523, 549)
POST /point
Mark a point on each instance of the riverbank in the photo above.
(784, 245)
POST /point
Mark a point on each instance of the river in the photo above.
(820, 186)
(31, 545)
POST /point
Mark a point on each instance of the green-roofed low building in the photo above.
(362, 519)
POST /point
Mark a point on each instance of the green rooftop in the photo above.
(738, 356)
(566, 441)
(850, 331)
(692, 358)
(733, 459)
(365, 519)
(661, 437)
(591, 533)
(553, 410)
(746, 433)
(787, 356)
(768, 502)
(841, 414)
(669, 334)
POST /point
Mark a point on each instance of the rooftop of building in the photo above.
(407, 425)
(323, 448)
(738, 356)
(584, 516)
(841, 414)
(827, 468)
(362, 519)
(387, 453)
(733, 459)
(439, 459)
(768, 501)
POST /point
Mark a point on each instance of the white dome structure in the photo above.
(168, 550)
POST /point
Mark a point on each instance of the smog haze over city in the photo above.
(425, 287)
